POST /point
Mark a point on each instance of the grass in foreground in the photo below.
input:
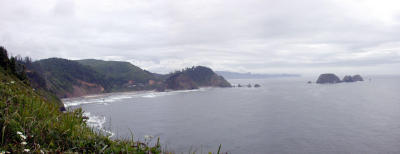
(29, 123)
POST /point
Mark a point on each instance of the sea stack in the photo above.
(348, 78)
(354, 78)
(357, 78)
(328, 78)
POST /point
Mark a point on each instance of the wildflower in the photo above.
(2, 152)
(41, 151)
(23, 143)
(12, 82)
(19, 133)
(23, 136)
(26, 150)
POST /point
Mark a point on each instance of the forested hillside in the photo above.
(67, 78)
(195, 77)
(31, 123)
(15, 67)
(123, 75)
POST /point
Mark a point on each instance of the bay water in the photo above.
(284, 115)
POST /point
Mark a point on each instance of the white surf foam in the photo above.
(98, 99)
(97, 122)
(106, 99)
(151, 95)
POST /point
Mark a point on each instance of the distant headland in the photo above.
(235, 75)
(73, 78)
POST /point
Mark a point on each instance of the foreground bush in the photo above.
(30, 123)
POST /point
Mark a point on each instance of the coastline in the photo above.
(106, 98)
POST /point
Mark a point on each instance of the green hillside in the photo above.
(67, 78)
(195, 77)
(122, 75)
(31, 123)
(117, 70)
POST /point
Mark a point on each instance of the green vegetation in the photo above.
(122, 75)
(119, 71)
(30, 122)
(30, 117)
(68, 78)
(60, 75)
(192, 78)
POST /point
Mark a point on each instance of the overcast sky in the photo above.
(260, 36)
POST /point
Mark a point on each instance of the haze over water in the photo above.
(282, 116)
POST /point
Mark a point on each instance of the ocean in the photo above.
(284, 115)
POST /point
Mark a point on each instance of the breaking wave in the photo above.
(97, 122)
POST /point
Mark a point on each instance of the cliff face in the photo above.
(84, 88)
(219, 81)
(180, 81)
(192, 78)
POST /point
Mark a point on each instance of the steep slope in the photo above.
(192, 78)
(180, 81)
(67, 78)
(123, 75)
(32, 124)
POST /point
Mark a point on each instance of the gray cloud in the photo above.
(263, 36)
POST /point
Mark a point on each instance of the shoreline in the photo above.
(107, 98)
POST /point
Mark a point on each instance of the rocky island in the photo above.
(357, 78)
(328, 78)
(332, 78)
